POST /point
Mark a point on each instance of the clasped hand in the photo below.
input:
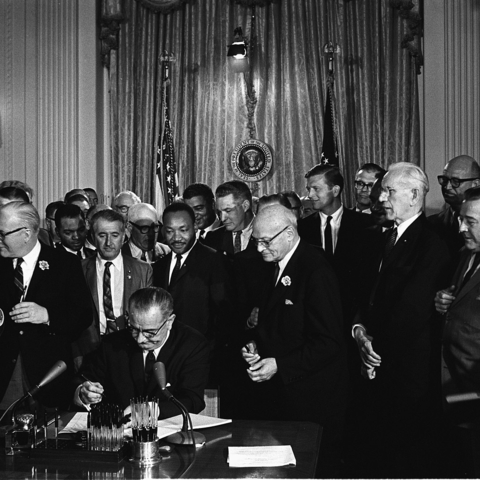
(91, 392)
(29, 312)
(259, 370)
(443, 299)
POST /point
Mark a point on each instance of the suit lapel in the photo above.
(472, 283)
(128, 274)
(91, 278)
(40, 275)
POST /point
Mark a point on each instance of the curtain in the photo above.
(375, 88)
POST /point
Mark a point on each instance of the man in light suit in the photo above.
(395, 333)
(295, 350)
(123, 274)
(45, 304)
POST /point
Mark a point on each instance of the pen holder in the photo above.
(145, 453)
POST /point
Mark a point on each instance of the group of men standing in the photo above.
(278, 311)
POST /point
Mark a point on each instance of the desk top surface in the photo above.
(211, 459)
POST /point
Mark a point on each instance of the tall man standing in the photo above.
(394, 335)
(45, 304)
(296, 351)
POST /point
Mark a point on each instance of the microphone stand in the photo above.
(187, 436)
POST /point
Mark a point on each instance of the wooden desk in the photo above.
(211, 461)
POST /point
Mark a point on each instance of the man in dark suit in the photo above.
(71, 228)
(340, 232)
(200, 197)
(121, 368)
(364, 180)
(459, 303)
(197, 277)
(394, 334)
(296, 350)
(459, 174)
(45, 301)
(110, 287)
(233, 201)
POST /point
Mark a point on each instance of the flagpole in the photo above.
(330, 131)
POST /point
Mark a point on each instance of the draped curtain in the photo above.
(375, 88)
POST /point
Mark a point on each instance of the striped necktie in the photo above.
(18, 280)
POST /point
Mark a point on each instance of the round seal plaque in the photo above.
(251, 160)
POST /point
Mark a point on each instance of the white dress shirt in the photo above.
(173, 261)
(28, 266)
(116, 287)
(334, 224)
(245, 236)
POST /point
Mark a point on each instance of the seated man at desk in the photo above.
(122, 367)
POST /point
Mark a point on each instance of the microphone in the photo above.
(187, 436)
(58, 368)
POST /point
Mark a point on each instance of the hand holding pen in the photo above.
(91, 392)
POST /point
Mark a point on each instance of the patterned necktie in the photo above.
(237, 246)
(470, 271)
(390, 243)
(107, 300)
(176, 269)
(328, 237)
(18, 280)
(149, 363)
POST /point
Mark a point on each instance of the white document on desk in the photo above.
(273, 456)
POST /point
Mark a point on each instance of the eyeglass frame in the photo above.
(122, 208)
(154, 226)
(453, 181)
(362, 185)
(3, 235)
(267, 243)
(148, 334)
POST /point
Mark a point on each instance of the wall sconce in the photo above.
(238, 52)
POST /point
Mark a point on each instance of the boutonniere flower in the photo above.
(43, 264)
(286, 281)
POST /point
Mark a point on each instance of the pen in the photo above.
(88, 380)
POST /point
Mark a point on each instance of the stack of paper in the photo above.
(274, 456)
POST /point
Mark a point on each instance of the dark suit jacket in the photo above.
(400, 314)
(118, 366)
(137, 274)
(221, 240)
(355, 249)
(203, 292)
(300, 325)
(89, 252)
(461, 335)
(446, 226)
(59, 287)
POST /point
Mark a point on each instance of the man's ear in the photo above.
(246, 205)
(336, 190)
(415, 197)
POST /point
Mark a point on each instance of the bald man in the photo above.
(295, 350)
(459, 174)
(143, 227)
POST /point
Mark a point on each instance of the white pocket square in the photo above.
(288, 302)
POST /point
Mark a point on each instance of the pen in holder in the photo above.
(144, 429)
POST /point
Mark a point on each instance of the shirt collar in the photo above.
(117, 262)
(185, 254)
(30, 259)
(137, 252)
(404, 225)
(336, 216)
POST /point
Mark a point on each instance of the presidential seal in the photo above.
(251, 160)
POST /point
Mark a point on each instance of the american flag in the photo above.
(329, 146)
(166, 165)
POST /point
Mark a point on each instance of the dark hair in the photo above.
(75, 191)
(179, 207)
(52, 208)
(15, 194)
(18, 184)
(109, 216)
(198, 190)
(373, 168)
(278, 198)
(67, 211)
(146, 298)
(472, 194)
(237, 188)
(77, 197)
(89, 189)
(331, 173)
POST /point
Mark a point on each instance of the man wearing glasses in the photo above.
(364, 180)
(143, 227)
(111, 277)
(459, 174)
(122, 368)
(296, 354)
(44, 306)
